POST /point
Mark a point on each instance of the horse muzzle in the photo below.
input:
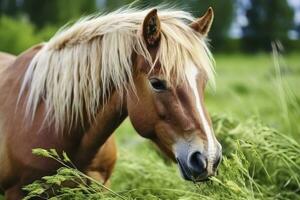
(196, 165)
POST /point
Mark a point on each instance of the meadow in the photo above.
(256, 112)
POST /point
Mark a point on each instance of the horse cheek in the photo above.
(142, 119)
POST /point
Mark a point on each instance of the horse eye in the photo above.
(158, 85)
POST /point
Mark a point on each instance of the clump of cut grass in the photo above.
(258, 163)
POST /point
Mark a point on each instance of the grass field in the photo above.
(250, 86)
(256, 114)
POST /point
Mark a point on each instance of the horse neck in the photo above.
(109, 117)
(83, 143)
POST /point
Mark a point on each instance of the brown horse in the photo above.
(72, 92)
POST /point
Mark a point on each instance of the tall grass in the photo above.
(259, 163)
(286, 96)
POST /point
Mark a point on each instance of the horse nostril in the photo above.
(197, 163)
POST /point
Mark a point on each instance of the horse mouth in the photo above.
(183, 170)
(187, 174)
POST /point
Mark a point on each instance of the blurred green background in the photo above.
(239, 26)
(257, 92)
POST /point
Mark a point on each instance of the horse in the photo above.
(73, 91)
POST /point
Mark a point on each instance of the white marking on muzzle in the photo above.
(191, 74)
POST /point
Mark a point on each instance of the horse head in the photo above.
(167, 107)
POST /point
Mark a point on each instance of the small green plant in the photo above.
(67, 183)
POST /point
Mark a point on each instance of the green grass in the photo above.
(256, 114)
(259, 163)
(249, 86)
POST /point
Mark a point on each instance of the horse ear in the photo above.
(151, 29)
(203, 24)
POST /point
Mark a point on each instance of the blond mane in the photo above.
(74, 71)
